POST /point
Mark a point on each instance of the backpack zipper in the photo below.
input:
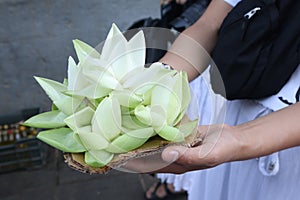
(247, 18)
(251, 13)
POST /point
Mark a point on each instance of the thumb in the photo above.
(172, 153)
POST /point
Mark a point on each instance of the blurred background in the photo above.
(36, 40)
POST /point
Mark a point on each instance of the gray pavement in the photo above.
(56, 181)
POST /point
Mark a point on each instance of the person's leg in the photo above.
(163, 190)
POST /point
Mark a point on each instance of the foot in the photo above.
(161, 190)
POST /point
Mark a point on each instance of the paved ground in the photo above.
(56, 181)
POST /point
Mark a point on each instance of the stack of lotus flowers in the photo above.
(111, 104)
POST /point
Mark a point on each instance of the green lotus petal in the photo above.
(171, 133)
(52, 88)
(158, 116)
(143, 114)
(62, 139)
(125, 143)
(127, 98)
(186, 96)
(164, 95)
(147, 95)
(126, 110)
(68, 105)
(51, 119)
(93, 91)
(80, 119)
(65, 82)
(185, 91)
(91, 140)
(131, 122)
(54, 107)
(141, 133)
(97, 158)
(84, 50)
(107, 118)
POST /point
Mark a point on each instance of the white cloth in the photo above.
(289, 94)
(232, 2)
(273, 177)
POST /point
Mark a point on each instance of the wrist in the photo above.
(250, 145)
(240, 145)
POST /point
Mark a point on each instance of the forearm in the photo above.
(190, 52)
(274, 132)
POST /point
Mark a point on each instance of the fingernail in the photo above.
(172, 156)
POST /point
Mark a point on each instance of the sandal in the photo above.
(168, 193)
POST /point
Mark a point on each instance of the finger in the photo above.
(145, 164)
(180, 154)
(190, 158)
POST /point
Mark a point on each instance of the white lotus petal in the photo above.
(68, 105)
(133, 73)
(80, 119)
(103, 78)
(72, 73)
(127, 98)
(113, 38)
(158, 116)
(164, 96)
(95, 64)
(186, 97)
(137, 45)
(76, 78)
(146, 75)
(93, 91)
(128, 56)
(84, 50)
(107, 118)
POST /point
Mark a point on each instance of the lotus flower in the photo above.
(111, 104)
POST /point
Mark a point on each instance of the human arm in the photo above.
(190, 51)
(222, 143)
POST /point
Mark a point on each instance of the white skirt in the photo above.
(273, 177)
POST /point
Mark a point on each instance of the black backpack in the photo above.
(258, 48)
